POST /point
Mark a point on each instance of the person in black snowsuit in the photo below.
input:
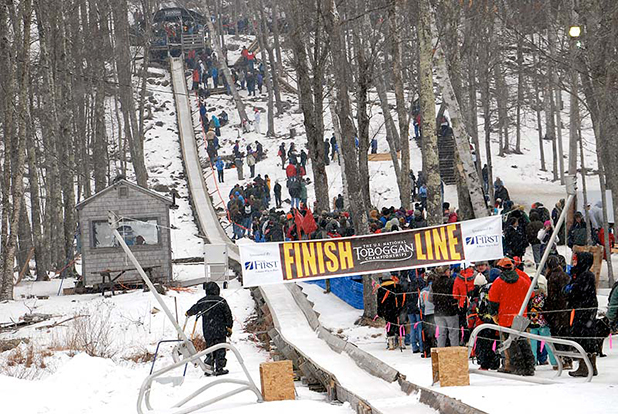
(412, 283)
(582, 297)
(390, 305)
(515, 241)
(500, 190)
(326, 152)
(277, 191)
(217, 324)
(577, 233)
(339, 202)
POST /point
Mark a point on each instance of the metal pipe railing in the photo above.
(246, 385)
(547, 339)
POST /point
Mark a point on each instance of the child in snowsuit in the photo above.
(216, 326)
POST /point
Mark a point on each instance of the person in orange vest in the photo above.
(505, 297)
(462, 285)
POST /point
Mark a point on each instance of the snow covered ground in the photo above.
(489, 394)
(128, 325)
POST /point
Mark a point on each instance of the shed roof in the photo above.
(127, 183)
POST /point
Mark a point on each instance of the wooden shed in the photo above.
(145, 225)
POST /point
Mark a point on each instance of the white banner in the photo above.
(468, 241)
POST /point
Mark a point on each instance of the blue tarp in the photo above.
(349, 289)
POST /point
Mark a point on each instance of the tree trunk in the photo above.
(362, 90)
(520, 90)
(240, 106)
(431, 165)
(484, 77)
(148, 13)
(337, 132)
(391, 130)
(274, 73)
(394, 17)
(123, 68)
(41, 250)
(462, 142)
(19, 150)
(550, 127)
(310, 101)
(24, 240)
(275, 17)
(357, 209)
(551, 39)
(263, 42)
(539, 124)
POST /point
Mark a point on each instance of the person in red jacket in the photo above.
(464, 283)
(196, 79)
(291, 171)
(601, 237)
(505, 297)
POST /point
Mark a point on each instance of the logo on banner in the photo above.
(483, 240)
(261, 265)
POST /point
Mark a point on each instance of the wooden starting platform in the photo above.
(381, 156)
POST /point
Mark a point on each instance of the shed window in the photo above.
(123, 191)
(139, 232)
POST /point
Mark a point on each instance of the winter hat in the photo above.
(417, 213)
(505, 263)
(547, 223)
(480, 280)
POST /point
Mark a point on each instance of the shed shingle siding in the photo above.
(138, 205)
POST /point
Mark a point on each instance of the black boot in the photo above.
(593, 361)
(581, 371)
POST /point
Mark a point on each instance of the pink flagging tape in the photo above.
(416, 324)
(493, 347)
(542, 345)
(437, 331)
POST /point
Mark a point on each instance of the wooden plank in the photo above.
(450, 366)
(277, 380)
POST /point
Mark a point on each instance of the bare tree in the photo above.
(358, 209)
(18, 149)
(431, 165)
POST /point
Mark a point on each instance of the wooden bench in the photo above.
(113, 275)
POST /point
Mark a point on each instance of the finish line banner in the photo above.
(294, 261)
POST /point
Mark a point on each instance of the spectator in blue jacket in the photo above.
(217, 124)
(220, 166)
